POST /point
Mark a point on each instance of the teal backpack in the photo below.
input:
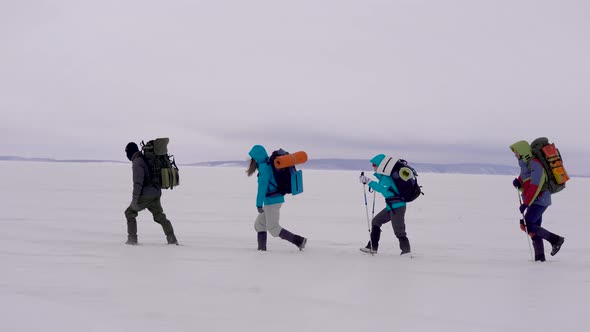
(289, 180)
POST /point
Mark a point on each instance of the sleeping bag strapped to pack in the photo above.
(289, 179)
(552, 162)
(161, 165)
(404, 176)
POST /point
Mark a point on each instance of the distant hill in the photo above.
(15, 158)
(324, 164)
(362, 164)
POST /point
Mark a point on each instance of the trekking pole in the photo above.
(373, 212)
(525, 227)
(367, 210)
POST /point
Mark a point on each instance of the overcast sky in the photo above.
(431, 81)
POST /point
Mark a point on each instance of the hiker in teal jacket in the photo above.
(394, 211)
(268, 201)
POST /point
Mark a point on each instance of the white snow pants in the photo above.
(269, 220)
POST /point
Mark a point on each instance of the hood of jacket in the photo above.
(258, 153)
(378, 159)
(523, 148)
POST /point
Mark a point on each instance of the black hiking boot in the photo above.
(297, 240)
(367, 249)
(538, 248)
(131, 240)
(375, 237)
(404, 245)
(556, 246)
(261, 241)
(302, 241)
(171, 239)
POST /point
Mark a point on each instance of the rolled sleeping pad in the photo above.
(161, 146)
(292, 159)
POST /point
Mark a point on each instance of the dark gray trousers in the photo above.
(397, 218)
(153, 204)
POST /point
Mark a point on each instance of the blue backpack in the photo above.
(289, 180)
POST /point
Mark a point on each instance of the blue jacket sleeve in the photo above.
(378, 187)
(263, 181)
(384, 186)
(533, 188)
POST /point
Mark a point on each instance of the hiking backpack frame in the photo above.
(162, 166)
(552, 162)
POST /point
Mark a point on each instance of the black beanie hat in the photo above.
(130, 149)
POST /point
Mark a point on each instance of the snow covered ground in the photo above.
(64, 266)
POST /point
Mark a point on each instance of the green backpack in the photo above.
(161, 165)
(550, 158)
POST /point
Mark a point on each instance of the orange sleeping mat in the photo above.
(292, 159)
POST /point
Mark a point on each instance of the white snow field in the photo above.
(65, 266)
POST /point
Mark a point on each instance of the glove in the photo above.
(364, 179)
(260, 209)
(516, 183)
(522, 225)
(523, 207)
(135, 205)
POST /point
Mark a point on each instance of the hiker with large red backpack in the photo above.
(276, 178)
(398, 184)
(541, 174)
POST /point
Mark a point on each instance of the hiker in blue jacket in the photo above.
(394, 211)
(269, 201)
(535, 200)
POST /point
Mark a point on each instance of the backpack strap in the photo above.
(544, 178)
(269, 192)
(396, 196)
(147, 180)
(393, 188)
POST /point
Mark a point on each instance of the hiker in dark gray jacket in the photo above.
(145, 196)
